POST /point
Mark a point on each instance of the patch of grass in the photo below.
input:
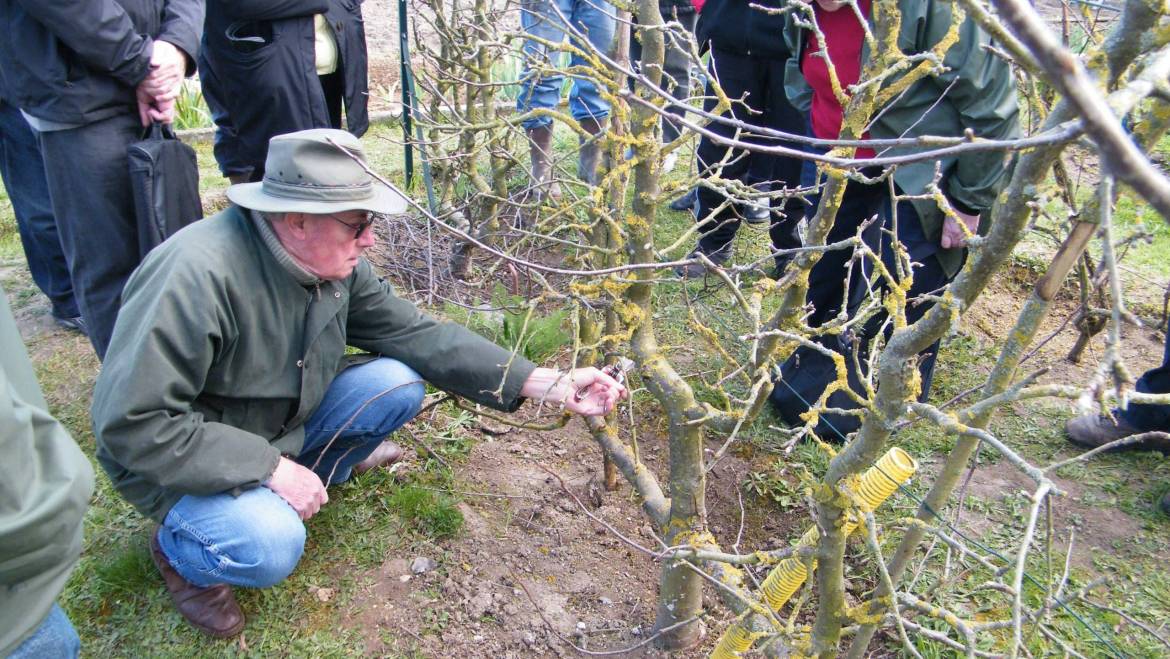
(191, 110)
(433, 513)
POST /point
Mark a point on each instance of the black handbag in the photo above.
(164, 178)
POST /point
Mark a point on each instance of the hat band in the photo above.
(312, 192)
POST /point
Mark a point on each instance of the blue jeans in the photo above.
(256, 539)
(23, 171)
(594, 19)
(55, 638)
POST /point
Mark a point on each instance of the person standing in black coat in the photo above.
(88, 75)
(748, 56)
(270, 67)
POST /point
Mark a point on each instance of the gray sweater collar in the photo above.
(286, 260)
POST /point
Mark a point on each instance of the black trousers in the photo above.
(760, 82)
(833, 283)
(1153, 381)
(333, 86)
(89, 183)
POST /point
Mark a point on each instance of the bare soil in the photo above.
(531, 571)
(992, 317)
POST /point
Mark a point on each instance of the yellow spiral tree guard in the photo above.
(875, 486)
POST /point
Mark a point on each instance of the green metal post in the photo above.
(407, 90)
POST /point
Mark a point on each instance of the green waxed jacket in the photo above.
(977, 92)
(221, 354)
(45, 483)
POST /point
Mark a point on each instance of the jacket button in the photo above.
(337, 294)
(300, 363)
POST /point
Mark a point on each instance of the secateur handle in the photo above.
(616, 370)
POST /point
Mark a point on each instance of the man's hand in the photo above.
(157, 92)
(167, 66)
(954, 234)
(300, 487)
(150, 110)
(601, 392)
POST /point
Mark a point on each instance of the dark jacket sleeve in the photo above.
(796, 88)
(983, 92)
(270, 10)
(446, 354)
(155, 368)
(100, 32)
(182, 26)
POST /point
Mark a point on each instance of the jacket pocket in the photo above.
(247, 37)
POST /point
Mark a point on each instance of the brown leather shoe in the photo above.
(212, 610)
(1093, 430)
(385, 455)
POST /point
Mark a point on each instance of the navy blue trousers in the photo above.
(89, 181)
(807, 372)
(1153, 381)
(23, 171)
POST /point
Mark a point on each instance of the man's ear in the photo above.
(296, 223)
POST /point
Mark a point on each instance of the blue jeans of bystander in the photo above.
(55, 638)
(546, 20)
(256, 539)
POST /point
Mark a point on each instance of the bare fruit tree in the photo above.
(603, 250)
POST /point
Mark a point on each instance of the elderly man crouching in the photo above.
(227, 403)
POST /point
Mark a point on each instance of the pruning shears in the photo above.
(616, 370)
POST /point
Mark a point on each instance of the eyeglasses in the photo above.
(359, 228)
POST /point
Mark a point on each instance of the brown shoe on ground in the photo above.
(1093, 430)
(211, 610)
(385, 455)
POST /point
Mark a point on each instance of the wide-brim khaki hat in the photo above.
(308, 172)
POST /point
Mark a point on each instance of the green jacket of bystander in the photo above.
(976, 92)
(222, 352)
(45, 483)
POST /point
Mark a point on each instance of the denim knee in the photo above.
(254, 540)
(271, 550)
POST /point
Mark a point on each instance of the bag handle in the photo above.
(159, 131)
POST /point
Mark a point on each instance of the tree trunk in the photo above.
(680, 593)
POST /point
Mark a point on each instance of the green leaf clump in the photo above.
(428, 511)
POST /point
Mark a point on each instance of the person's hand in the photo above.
(149, 111)
(299, 486)
(954, 234)
(601, 392)
(167, 66)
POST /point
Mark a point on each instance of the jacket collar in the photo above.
(298, 272)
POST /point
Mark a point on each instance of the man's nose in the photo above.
(367, 239)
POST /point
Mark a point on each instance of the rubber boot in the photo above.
(589, 156)
(540, 150)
